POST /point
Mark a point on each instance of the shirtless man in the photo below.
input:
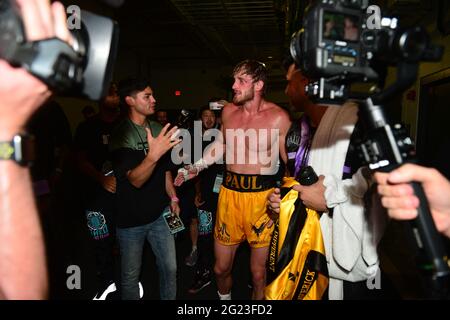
(251, 127)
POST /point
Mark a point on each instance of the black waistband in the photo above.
(248, 182)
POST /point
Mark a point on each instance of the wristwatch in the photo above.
(20, 149)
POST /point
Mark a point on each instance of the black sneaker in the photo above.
(192, 258)
(200, 282)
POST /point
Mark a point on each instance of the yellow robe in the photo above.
(297, 267)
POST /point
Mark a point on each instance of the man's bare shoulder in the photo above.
(277, 112)
(229, 109)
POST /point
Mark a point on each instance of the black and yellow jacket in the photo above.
(297, 267)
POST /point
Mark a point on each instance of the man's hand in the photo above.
(21, 93)
(398, 197)
(162, 143)
(189, 172)
(109, 183)
(198, 200)
(175, 208)
(184, 174)
(273, 206)
(313, 196)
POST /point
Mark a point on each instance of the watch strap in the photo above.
(20, 149)
(6, 150)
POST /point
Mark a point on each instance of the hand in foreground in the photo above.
(397, 196)
(21, 93)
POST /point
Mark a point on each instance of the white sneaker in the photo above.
(141, 291)
(226, 296)
(111, 288)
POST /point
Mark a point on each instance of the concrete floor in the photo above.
(68, 243)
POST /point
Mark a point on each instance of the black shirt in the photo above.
(51, 130)
(353, 159)
(137, 206)
(92, 137)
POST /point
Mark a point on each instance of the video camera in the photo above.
(336, 48)
(85, 69)
(340, 39)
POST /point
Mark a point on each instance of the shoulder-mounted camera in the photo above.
(339, 41)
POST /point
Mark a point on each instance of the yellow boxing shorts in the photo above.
(242, 210)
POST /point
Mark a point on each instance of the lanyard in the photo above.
(140, 138)
(302, 155)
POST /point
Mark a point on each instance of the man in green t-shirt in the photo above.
(144, 188)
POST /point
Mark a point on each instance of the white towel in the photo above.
(350, 237)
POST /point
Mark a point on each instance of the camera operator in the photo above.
(399, 199)
(23, 272)
(350, 240)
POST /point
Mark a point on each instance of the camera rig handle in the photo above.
(385, 148)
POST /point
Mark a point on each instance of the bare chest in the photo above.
(254, 134)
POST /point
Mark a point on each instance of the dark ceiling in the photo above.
(223, 30)
(227, 30)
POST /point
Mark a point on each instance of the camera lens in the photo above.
(412, 44)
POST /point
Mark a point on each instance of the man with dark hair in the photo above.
(350, 238)
(161, 117)
(254, 131)
(144, 189)
(92, 139)
(207, 194)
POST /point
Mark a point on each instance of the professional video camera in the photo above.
(85, 69)
(335, 49)
(339, 40)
